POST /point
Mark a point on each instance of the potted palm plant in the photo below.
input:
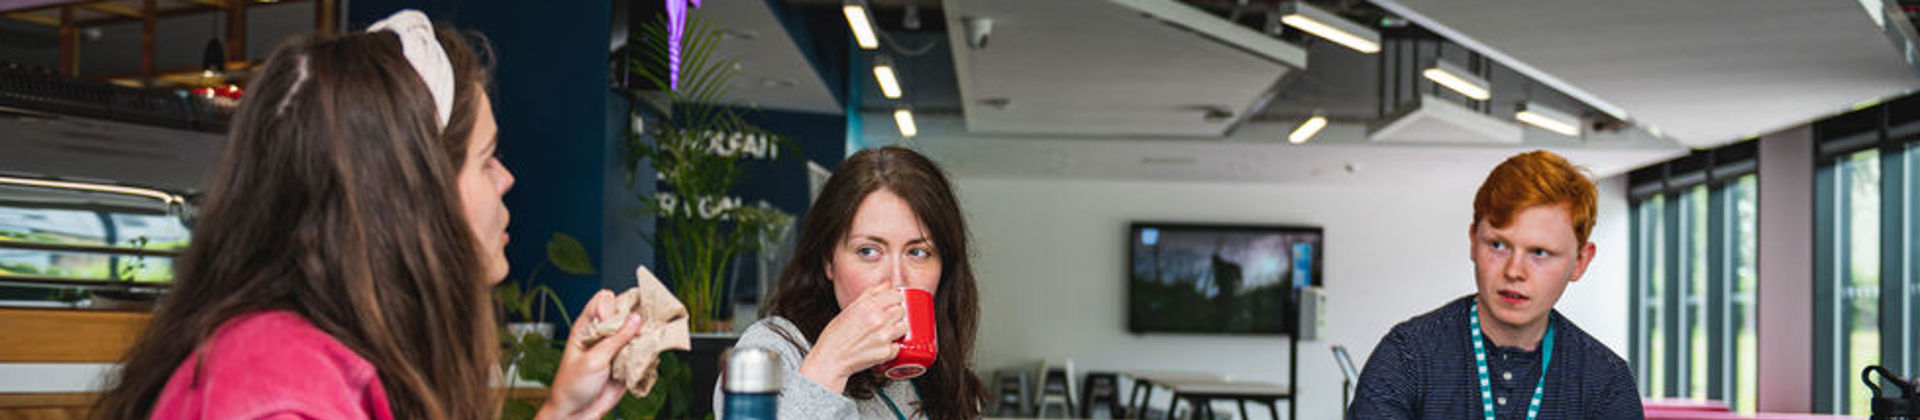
(697, 149)
(697, 152)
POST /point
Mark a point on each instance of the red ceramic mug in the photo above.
(919, 347)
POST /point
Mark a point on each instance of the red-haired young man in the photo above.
(1503, 353)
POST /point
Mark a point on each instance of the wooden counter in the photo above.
(67, 335)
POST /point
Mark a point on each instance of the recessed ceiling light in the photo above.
(883, 73)
(1307, 129)
(903, 117)
(1458, 80)
(1332, 27)
(1548, 118)
(861, 22)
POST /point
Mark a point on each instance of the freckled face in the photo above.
(1523, 268)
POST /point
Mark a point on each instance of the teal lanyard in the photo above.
(896, 409)
(1480, 360)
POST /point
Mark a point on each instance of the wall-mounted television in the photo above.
(1218, 279)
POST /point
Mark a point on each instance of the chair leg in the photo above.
(1069, 398)
(1147, 401)
(1133, 399)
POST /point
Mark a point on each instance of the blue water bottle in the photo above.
(752, 384)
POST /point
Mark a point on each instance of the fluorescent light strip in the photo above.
(1331, 26)
(1307, 129)
(1548, 119)
(1331, 33)
(904, 118)
(889, 85)
(163, 196)
(862, 26)
(1457, 79)
(1546, 122)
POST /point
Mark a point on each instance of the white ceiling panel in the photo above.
(1094, 67)
(1703, 73)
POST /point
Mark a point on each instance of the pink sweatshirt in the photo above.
(273, 365)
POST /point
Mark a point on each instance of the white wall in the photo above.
(1051, 259)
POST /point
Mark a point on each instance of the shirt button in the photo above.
(1507, 376)
(1501, 400)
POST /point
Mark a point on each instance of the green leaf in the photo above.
(567, 253)
(640, 408)
(679, 378)
(514, 299)
(517, 409)
(539, 359)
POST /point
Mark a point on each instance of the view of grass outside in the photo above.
(1745, 350)
(1859, 289)
(1861, 292)
(1656, 334)
(87, 227)
(150, 231)
(1695, 299)
(148, 270)
(1694, 244)
(21, 235)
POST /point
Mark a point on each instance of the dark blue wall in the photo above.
(820, 138)
(550, 99)
(563, 131)
(624, 248)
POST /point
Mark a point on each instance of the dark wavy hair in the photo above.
(805, 295)
(336, 198)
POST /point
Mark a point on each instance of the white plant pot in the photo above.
(521, 329)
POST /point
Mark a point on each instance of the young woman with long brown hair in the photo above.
(342, 260)
(886, 218)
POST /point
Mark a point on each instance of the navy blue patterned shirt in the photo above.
(1424, 369)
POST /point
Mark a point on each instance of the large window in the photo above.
(1648, 349)
(1864, 274)
(53, 243)
(1859, 281)
(81, 242)
(1694, 283)
(1745, 363)
(1693, 277)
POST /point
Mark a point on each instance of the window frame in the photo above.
(116, 253)
(1660, 237)
(1898, 145)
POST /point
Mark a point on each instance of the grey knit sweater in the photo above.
(801, 398)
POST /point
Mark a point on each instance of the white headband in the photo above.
(423, 51)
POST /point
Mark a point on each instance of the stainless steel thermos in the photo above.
(752, 384)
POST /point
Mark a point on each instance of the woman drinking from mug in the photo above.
(342, 260)
(886, 220)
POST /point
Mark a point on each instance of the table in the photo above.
(1200, 389)
(1202, 393)
(1145, 380)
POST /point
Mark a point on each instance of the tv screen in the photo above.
(1224, 279)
